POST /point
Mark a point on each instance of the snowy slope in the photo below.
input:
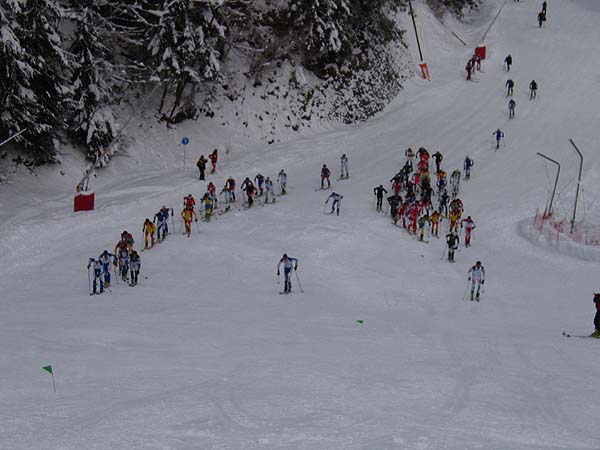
(206, 355)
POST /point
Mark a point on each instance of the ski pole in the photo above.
(89, 281)
(115, 273)
(278, 278)
(197, 226)
(298, 279)
(444, 253)
(464, 297)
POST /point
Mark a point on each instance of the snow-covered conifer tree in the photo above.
(183, 48)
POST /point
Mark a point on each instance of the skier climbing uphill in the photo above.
(477, 279)
(378, 192)
(288, 263)
(452, 240)
(469, 226)
(188, 214)
(98, 283)
(325, 174)
(337, 200)
(596, 333)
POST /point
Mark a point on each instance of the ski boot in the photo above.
(595, 334)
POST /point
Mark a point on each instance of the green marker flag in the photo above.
(49, 370)
(360, 321)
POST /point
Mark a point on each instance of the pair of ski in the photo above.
(565, 334)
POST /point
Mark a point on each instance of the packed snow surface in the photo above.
(204, 353)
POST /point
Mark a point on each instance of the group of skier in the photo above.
(416, 211)
(203, 162)
(125, 263)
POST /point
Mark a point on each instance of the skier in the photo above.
(187, 214)
(189, 201)
(212, 189)
(438, 157)
(259, 180)
(435, 219)
(225, 197)
(441, 183)
(596, 333)
(423, 154)
(443, 203)
(532, 90)
(97, 275)
(325, 174)
(249, 188)
(344, 164)
(409, 154)
(477, 278)
(499, 134)
(511, 108)
(394, 201)
(467, 166)
(123, 261)
(230, 185)
(214, 156)
(455, 183)
(508, 61)
(469, 226)
(337, 200)
(413, 217)
(378, 192)
(541, 18)
(148, 229)
(452, 240)
(135, 264)
(288, 262)
(469, 69)
(161, 218)
(127, 239)
(201, 166)
(106, 258)
(282, 180)
(423, 220)
(209, 204)
(510, 84)
(454, 217)
(269, 195)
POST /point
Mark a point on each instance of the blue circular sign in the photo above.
(185, 141)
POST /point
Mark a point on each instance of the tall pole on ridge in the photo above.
(555, 181)
(578, 183)
(411, 13)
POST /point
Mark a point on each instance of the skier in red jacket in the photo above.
(214, 156)
(469, 226)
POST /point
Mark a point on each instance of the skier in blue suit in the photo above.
(288, 263)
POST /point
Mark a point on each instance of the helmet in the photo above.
(105, 252)
(285, 255)
(478, 263)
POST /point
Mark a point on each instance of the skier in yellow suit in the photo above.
(149, 230)
(187, 215)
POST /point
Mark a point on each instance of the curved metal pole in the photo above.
(555, 181)
(578, 183)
